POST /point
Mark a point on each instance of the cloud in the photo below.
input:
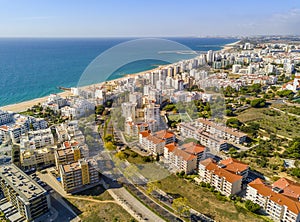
(286, 23)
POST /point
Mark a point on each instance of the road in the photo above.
(133, 206)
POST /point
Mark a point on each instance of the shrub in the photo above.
(258, 103)
(253, 207)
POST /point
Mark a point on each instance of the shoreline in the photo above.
(23, 106)
(230, 45)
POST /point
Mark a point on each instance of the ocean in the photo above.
(34, 67)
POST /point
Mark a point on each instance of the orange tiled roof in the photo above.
(67, 144)
(234, 165)
(163, 134)
(144, 133)
(171, 146)
(75, 143)
(207, 161)
(4, 127)
(215, 169)
(193, 148)
(278, 198)
(154, 139)
(184, 155)
(290, 188)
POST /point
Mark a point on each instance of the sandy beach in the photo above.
(22, 106)
(230, 45)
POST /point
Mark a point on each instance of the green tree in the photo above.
(233, 122)
(258, 103)
(181, 206)
(151, 186)
(99, 109)
(109, 146)
(121, 155)
(253, 207)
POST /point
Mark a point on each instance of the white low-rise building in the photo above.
(155, 142)
(222, 180)
(273, 200)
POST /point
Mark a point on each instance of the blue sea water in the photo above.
(34, 67)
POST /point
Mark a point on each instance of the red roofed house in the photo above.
(184, 158)
(217, 176)
(275, 200)
(289, 188)
(236, 167)
(155, 142)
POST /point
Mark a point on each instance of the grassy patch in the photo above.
(98, 212)
(98, 193)
(204, 201)
(180, 116)
(271, 122)
(133, 157)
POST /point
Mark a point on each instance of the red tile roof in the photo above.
(290, 189)
(4, 127)
(223, 173)
(207, 161)
(144, 133)
(164, 134)
(154, 139)
(171, 147)
(184, 155)
(277, 198)
(234, 165)
(67, 144)
(193, 148)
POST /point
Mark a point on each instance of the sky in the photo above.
(148, 18)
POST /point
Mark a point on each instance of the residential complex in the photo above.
(24, 199)
(37, 158)
(280, 200)
(78, 175)
(184, 158)
(211, 135)
(218, 176)
(68, 153)
(155, 142)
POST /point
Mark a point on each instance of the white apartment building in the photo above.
(38, 123)
(220, 131)
(273, 200)
(183, 158)
(188, 130)
(226, 182)
(155, 142)
(62, 133)
(5, 117)
(129, 110)
(40, 138)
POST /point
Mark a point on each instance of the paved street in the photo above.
(133, 206)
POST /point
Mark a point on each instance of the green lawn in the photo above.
(202, 200)
(180, 116)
